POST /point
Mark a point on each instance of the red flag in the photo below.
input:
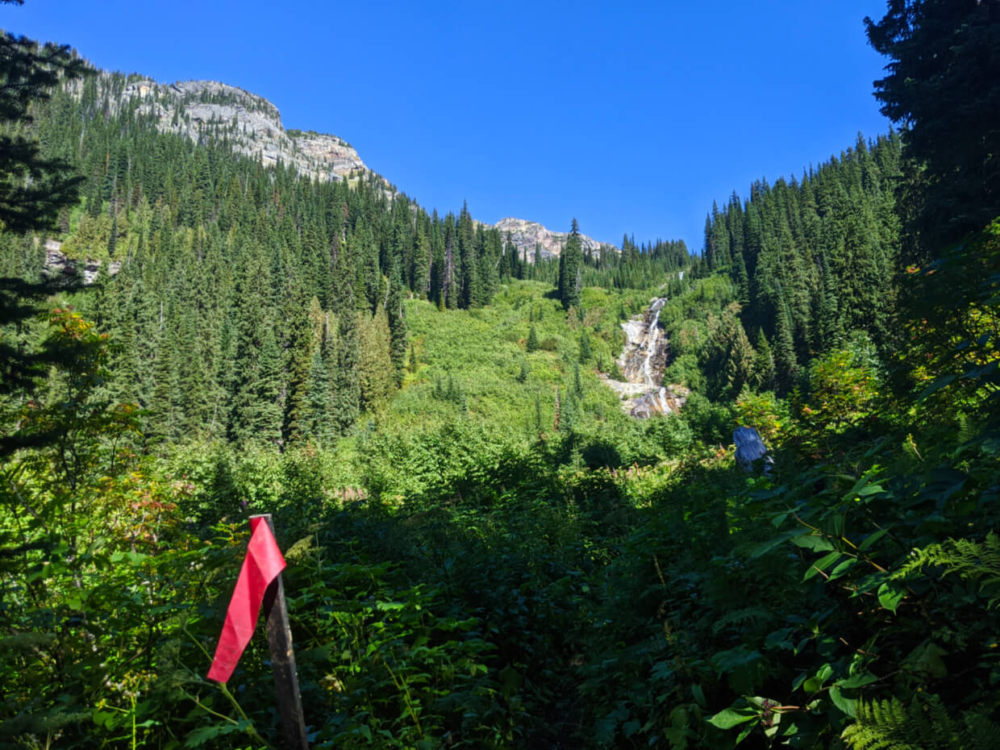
(261, 566)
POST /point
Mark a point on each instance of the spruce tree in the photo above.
(375, 372)
(113, 237)
(225, 377)
(764, 371)
(266, 422)
(33, 188)
(830, 329)
(165, 418)
(568, 412)
(299, 349)
(421, 270)
(490, 250)
(571, 269)
(451, 285)
(729, 357)
(252, 312)
(784, 351)
(943, 83)
(318, 425)
(147, 314)
(522, 376)
(397, 326)
(347, 405)
(414, 365)
(741, 279)
(34, 191)
(194, 377)
(532, 343)
(708, 253)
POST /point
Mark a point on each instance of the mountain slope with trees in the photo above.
(245, 261)
(813, 259)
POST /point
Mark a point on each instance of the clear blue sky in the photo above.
(631, 116)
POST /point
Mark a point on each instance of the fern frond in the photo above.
(923, 725)
(743, 616)
(878, 726)
(980, 730)
(970, 560)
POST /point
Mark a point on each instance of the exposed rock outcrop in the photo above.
(249, 123)
(57, 264)
(527, 234)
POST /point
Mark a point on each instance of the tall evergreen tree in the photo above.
(397, 326)
(347, 404)
(34, 187)
(764, 370)
(375, 372)
(784, 351)
(468, 261)
(943, 84)
(250, 417)
(571, 269)
(194, 377)
(267, 415)
(532, 342)
(585, 351)
(299, 350)
(729, 356)
(318, 424)
(166, 417)
(421, 270)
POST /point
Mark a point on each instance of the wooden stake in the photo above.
(286, 681)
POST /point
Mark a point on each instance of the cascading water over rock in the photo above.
(642, 362)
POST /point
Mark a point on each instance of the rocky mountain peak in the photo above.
(527, 234)
(250, 123)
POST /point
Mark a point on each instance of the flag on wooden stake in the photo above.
(261, 566)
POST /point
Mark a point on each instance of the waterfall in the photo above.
(642, 363)
(651, 343)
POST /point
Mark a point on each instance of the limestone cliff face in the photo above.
(250, 123)
(527, 234)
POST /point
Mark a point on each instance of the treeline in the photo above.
(634, 266)
(812, 259)
(248, 302)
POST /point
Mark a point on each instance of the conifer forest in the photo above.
(503, 478)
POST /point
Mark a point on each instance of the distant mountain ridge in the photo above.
(252, 126)
(526, 235)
